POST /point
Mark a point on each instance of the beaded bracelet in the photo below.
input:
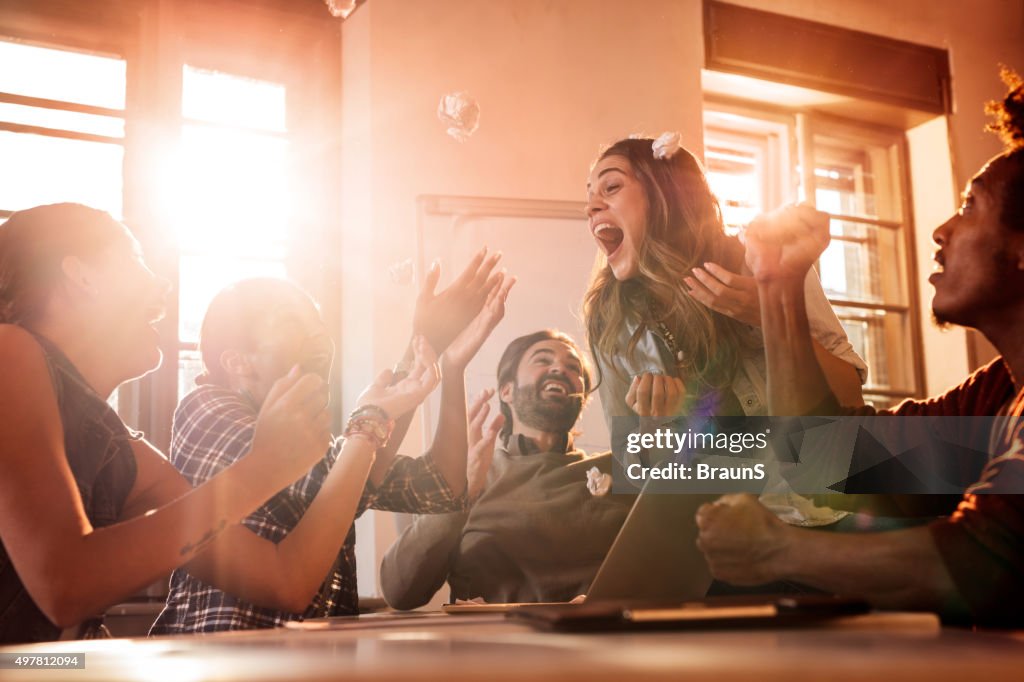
(371, 411)
(372, 423)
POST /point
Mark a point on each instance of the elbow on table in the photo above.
(403, 600)
(396, 592)
(282, 595)
(293, 600)
(65, 603)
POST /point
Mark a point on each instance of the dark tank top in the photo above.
(97, 445)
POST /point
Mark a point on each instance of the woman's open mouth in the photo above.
(608, 237)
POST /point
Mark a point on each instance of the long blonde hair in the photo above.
(684, 230)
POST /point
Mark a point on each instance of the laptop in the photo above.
(654, 558)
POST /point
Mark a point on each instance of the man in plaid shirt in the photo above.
(214, 426)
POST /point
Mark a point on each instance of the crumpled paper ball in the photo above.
(597, 483)
(340, 8)
(667, 145)
(400, 273)
(460, 113)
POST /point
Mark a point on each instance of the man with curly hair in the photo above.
(969, 567)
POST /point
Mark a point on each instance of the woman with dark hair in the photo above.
(89, 511)
(671, 322)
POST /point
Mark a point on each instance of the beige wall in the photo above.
(931, 176)
(557, 78)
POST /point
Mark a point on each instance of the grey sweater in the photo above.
(535, 534)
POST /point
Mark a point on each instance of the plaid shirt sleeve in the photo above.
(413, 485)
(213, 428)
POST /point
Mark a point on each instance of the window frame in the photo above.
(803, 125)
(156, 38)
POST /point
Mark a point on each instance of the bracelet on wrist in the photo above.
(370, 411)
(370, 438)
(372, 423)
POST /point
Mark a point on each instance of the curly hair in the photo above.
(684, 230)
(1009, 112)
(1009, 125)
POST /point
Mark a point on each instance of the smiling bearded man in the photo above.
(536, 530)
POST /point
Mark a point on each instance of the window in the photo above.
(62, 123)
(208, 131)
(747, 160)
(853, 172)
(61, 127)
(229, 200)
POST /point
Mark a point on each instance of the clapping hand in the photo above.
(405, 395)
(726, 292)
(440, 317)
(468, 342)
(656, 395)
(481, 443)
(293, 428)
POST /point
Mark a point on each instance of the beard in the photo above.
(553, 414)
(941, 321)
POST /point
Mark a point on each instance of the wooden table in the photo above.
(487, 647)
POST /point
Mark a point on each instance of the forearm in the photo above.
(386, 455)
(796, 383)
(287, 575)
(842, 377)
(418, 563)
(449, 448)
(897, 569)
(92, 570)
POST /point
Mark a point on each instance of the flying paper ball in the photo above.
(460, 113)
(401, 272)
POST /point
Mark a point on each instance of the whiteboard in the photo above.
(548, 247)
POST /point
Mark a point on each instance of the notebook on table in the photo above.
(714, 613)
